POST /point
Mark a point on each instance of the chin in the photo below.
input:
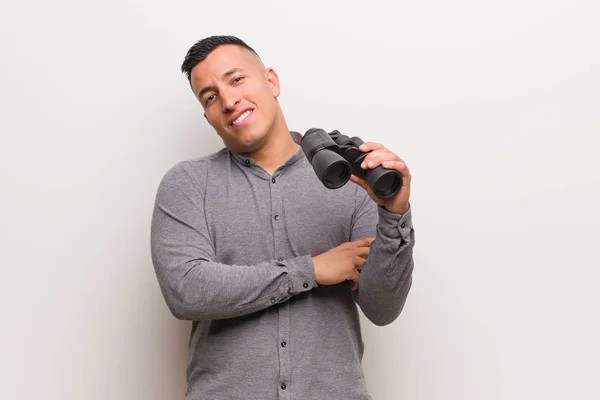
(245, 140)
(249, 139)
(242, 146)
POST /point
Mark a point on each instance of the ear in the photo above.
(273, 81)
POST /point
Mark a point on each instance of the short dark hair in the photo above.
(199, 51)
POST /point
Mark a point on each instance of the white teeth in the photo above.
(242, 117)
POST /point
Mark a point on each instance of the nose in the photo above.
(229, 99)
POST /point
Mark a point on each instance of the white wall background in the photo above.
(494, 105)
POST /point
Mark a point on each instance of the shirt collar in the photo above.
(298, 155)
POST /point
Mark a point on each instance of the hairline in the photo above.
(257, 61)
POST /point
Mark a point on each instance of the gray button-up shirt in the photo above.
(232, 248)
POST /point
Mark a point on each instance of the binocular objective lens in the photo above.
(386, 186)
(337, 174)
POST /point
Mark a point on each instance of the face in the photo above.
(239, 97)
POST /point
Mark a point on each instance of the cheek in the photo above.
(214, 118)
(260, 93)
(209, 117)
(265, 100)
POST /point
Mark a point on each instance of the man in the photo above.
(249, 245)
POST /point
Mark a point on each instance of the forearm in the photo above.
(210, 290)
(386, 277)
(194, 283)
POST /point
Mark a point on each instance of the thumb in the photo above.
(360, 182)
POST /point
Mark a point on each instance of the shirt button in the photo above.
(273, 180)
(272, 300)
(403, 225)
(280, 259)
(305, 285)
(247, 162)
(283, 344)
(277, 217)
(283, 386)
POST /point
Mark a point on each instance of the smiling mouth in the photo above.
(241, 118)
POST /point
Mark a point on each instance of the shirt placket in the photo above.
(283, 311)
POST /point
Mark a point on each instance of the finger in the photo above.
(353, 285)
(359, 181)
(363, 251)
(354, 280)
(398, 165)
(369, 146)
(363, 242)
(375, 158)
(359, 262)
(363, 184)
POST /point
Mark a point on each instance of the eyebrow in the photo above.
(225, 75)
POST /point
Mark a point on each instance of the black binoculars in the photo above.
(334, 157)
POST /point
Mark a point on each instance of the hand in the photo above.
(379, 155)
(342, 263)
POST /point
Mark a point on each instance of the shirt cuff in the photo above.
(395, 225)
(301, 274)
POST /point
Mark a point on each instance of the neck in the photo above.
(277, 149)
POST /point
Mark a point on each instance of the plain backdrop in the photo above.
(494, 105)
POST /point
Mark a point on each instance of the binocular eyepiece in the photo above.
(334, 157)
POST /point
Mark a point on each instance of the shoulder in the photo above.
(190, 176)
(195, 169)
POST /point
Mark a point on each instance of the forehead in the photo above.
(220, 60)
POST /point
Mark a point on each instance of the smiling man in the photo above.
(268, 264)
(239, 95)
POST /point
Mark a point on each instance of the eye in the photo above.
(237, 79)
(209, 99)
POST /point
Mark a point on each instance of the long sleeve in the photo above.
(193, 284)
(386, 277)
